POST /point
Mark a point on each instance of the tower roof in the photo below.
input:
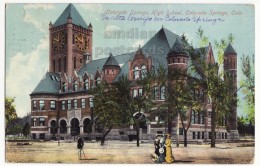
(70, 13)
(139, 51)
(111, 61)
(177, 48)
(230, 50)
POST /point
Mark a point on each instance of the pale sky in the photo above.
(27, 36)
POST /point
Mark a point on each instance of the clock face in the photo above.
(58, 40)
(81, 41)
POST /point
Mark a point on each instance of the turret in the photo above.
(177, 57)
(110, 69)
(230, 68)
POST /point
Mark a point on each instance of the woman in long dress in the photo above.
(168, 158)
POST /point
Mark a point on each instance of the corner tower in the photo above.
(70, 39)
(230, 68)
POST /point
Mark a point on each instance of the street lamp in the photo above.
(91, 105)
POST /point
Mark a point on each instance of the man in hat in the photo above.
(80, 146)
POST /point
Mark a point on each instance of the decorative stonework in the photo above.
(75, 113)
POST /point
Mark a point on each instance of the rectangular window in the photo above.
(202, 117)
(53, 105)
(34, 104)
(156, 93)
(225, 135)
(209, 135)
(34, 136)
(140, 92)
(42, 105)
(34, 121)
(193, 135)
(162, 93)
(199, 117)
(63, 105)
(134, 92)
(69, 104)
(209, 114)
(42, 121)
(198, 135)
(202, 135)
(180, 131)
(75, 104)
(91, 103)
(156, 119)
(42, 136)
(83, 103)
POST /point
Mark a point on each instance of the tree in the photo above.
(106, 108)
(248, 66)
(219, 86)
(10, 112)
(135, 104)
(26, 129)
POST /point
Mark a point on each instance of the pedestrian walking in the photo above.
(80, 146)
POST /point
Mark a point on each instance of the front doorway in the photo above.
(75, 129)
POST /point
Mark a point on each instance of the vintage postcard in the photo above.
(129, 83)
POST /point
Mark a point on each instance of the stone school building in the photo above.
(62, 98)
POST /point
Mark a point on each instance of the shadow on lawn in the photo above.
(183, 161)
(89, 159)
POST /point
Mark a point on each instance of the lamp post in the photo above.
(91, 105)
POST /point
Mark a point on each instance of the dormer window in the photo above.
(86, 87)
(64, 87)
(143, 71)
(136, 72)
(75, 86)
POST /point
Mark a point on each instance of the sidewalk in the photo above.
(127, 153)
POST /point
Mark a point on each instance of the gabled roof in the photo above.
(50, 83)
(230, 50)
(70, 12)
(111, 61)
(159, 45)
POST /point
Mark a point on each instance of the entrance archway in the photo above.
(63, 126)
(87, 125)
(53, 127)
(75, 130)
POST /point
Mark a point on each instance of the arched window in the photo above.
(64, 87)
(75, 86)
(59, 65)
(86, 84)
(53, 63)
(143, 71)
(136, 72)
(65, 63)
(98, 80)
(63, 126)
(75, 66)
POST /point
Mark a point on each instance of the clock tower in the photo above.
(70, 42)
